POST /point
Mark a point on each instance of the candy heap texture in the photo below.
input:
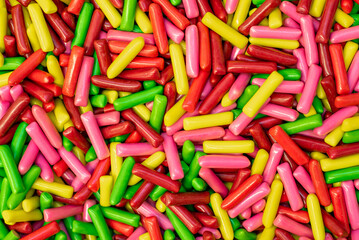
(158, 119)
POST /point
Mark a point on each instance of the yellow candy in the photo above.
(13, 216)
(230, 19)
(4, 79)
(160, 205)
(31, 204)
(175, 113)
(143, 112)
(91, 237)
(275, 18)
(349, 51)
(326, 104)
(59, 127)
(111, 95)
(263, 93)
(241, 13)
(242, 146)
(311, 112)
(260, 162)
(350, 124)
(225, 31)
(54, 69)
(270, 211)
(68, 124)
(334, 137)
(125, 57)
(106, 185)
(343, 19)
(1, 59)
(145, 236)
(48, 6)
(329, 208)
(317, 8)
(143, 21)
(2, 4)
(67, 2)
(128, 207)
(339, 163)
(226, 102)
(315, 216)
(116, 161)
(34, 41)
(58, 179)
(320, 91)
(79, 154)
(110, 12)
(318, 156)
(60, 112)
(228, 185)
(151, 162)
(88, 108)
(3, 27)
(55, 188)
(41, 28)
(30, 193)
(275, 43)
(268, 233)
(179, 68)
(337, 184)
(35, 101)
(225, 225)
(210, 120)
(27, 18)
(13, 3)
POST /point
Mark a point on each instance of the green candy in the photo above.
(69, 226)
(355, 8)
(29, 178)
(84, 228)
(12, 235)
(351, 137)
(3, 230)
(68, 145)
(121, 216)
(188, 151)
(137, 29)
(169, 235)
(235, 223)
(185, 167)
(18, 141)
(243, 234)
(290, 74)
(121, 183)
(94, 90)
(199, 184)
(302, 124)
(90, 155)
(61, 236)
(137, 98)
(99, 101)
(130, 192)
(149, 84)
(236, 113)
(157, 192)
(246, 95)
(46, 201)
(83, 24)
(158, 111)
(317, 104)
(4, 195)
(176, 2)
(180, 228)
(341, 175)
(193, 171)
(4, 72)
(11, 170)
(11, 63)
(128, 15)
(121, 138)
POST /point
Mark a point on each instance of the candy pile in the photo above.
(158, 119)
